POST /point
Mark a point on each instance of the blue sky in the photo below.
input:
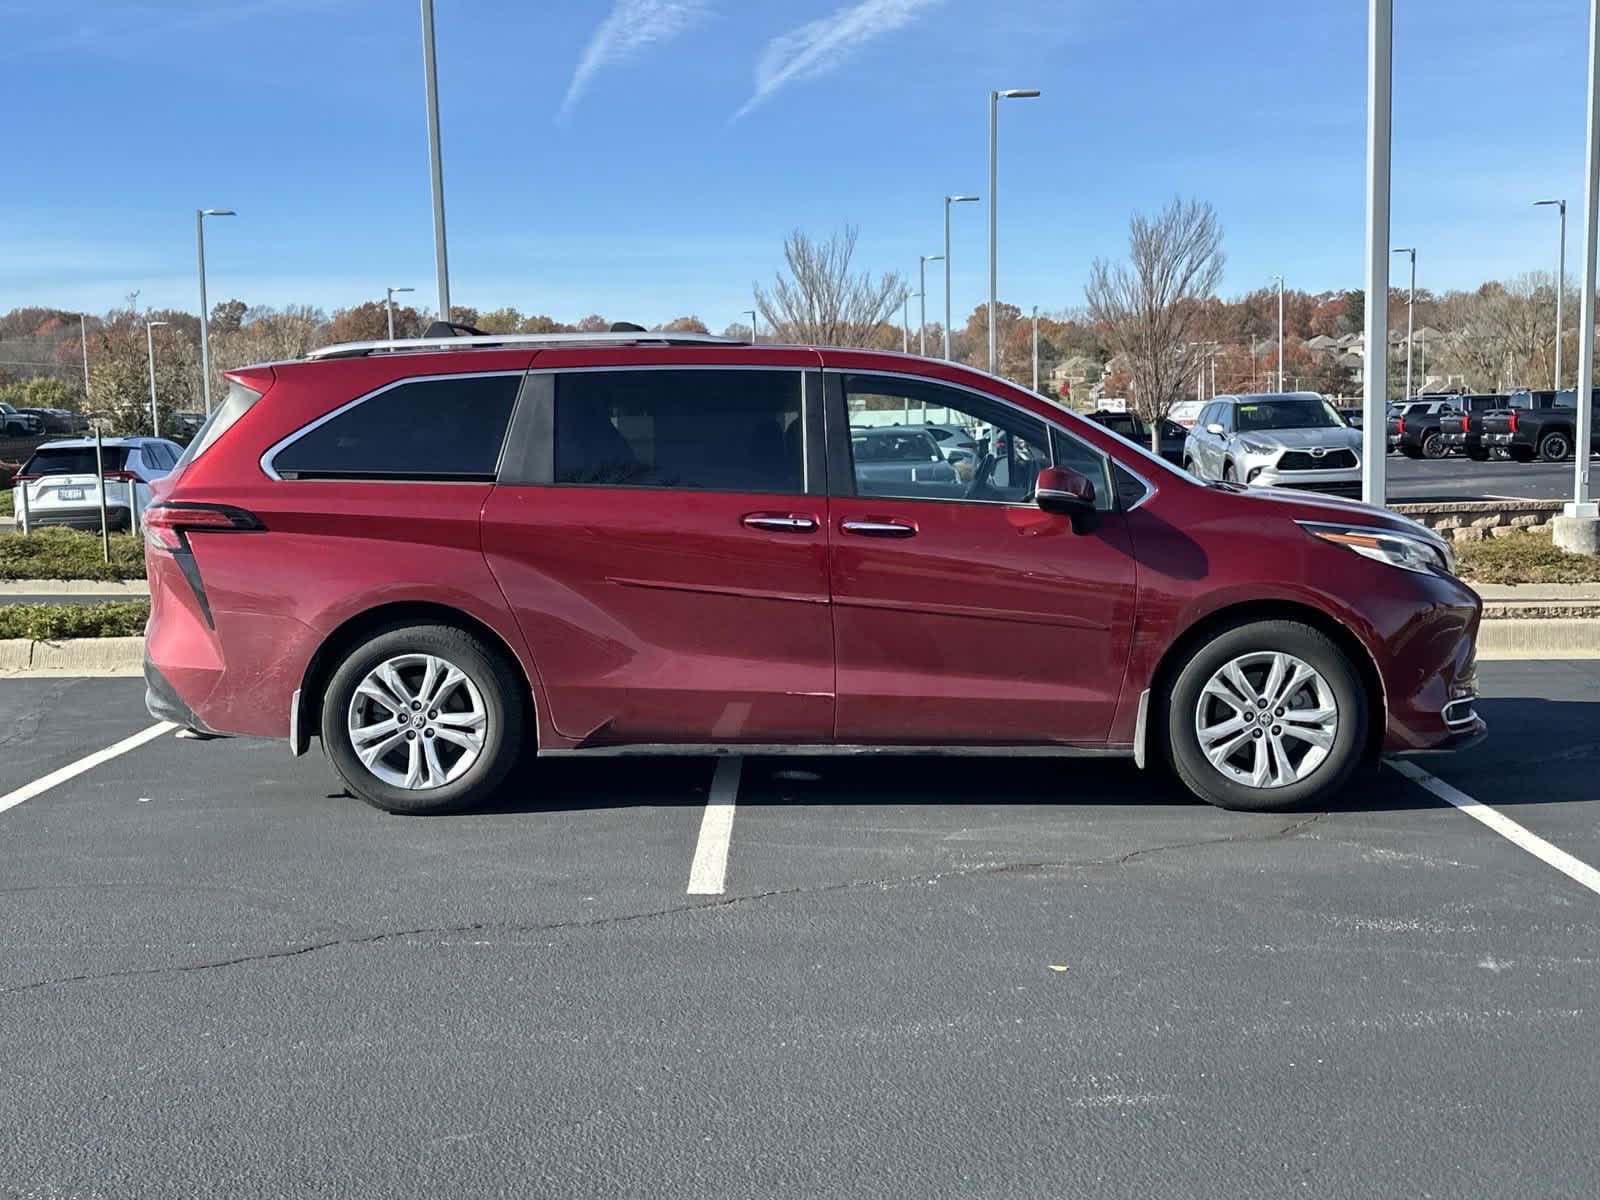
(645, 158)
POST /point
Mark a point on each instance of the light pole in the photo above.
(994, 183)
(752, 313)
(1561, 279)
(200, 215)
(948, 201)
(83, 334)
(1375, 367)
(1280, 335)
(905, 322)
(430, 77)
(922, 303)
(150, 351)
(388, 306)
(1036, 347)
(1411, 305)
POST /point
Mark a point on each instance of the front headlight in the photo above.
(1255, 447)
(1403, 550)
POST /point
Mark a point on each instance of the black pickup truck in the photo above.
(1540, 426)
(1461, 431)
(1414, 425)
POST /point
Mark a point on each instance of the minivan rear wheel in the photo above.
(422, 720)
(1266, 716)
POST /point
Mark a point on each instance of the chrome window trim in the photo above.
(272, 451)
(1048, 422)
(805, 433)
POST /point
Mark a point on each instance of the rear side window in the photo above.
(450, 428)
(729, 430)
(74, 460)
(234, 405)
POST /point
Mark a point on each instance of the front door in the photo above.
(667, 556)
(963, 614)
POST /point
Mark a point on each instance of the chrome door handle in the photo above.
(881, 529)
(781, 524)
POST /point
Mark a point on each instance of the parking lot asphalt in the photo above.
(969, 977)
(1456, 478)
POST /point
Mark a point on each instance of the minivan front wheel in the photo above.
(1266, 716)
(422, 719)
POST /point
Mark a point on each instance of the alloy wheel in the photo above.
(1266, 719)
(417, 721)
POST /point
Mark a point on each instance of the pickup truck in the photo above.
(1414, 426)
(1541, 428)
(1458, 430)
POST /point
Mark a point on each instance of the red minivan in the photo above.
(442, 553)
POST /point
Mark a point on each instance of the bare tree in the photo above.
(820, 302)
(1150, 306)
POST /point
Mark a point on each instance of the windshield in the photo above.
(908, 446)
(1287, 412)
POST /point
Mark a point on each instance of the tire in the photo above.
(1324, 776)
(1554, 447)
(1433, 446)
(490, 690)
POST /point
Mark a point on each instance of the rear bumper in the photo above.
(77, 518)
(164, 703)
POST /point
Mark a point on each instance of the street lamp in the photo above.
(922, 303)
(1036, 347)
(994, 108)
(150, 351)
(948, 201)
(905, 322)
(388, 306)
(1280, 335)
(200, 215)
(752, 313)
(1561, 279)
(430, 80)
(1411, 306)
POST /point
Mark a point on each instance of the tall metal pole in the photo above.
(431, 82)
(922, 304)
(1375, 368)
(1280, 334)
(205, 318)
(83, 334)
(1583, 506)
(1561, 281)
(1411, 308)
(150, 351)
(905, 324)
(752, 313)
(948, 201)
(1036, 347)
(388, 310)
(994, 108)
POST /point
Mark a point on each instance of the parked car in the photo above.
(674, 543)
(1421, 413)
(902, 454)
(16, 423)
(1544, 431)
(957, 444)
(59, 420)
(59, 484)
(1184, 412)
(1353, 416)
(1136, 429)
(1276, 439)
(1461, 431)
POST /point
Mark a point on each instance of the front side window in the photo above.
(893, 455)
(709, 430)
(444, 429)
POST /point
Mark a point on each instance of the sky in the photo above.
(644, 159)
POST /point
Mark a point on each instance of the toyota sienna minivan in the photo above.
(442, 554)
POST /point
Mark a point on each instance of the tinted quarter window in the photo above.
(74, 460)
(728, 430)
(448, 428)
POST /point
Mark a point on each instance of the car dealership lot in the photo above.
(993, 977)
(1459, 478)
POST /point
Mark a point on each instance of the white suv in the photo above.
(58, 485)
(1276, 439)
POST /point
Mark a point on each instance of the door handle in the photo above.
(879, 529)
(780, 522)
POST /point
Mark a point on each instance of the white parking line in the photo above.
(87, 763)
(1535, 845)
(708, 874)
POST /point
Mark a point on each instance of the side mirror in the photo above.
(1063, 491)
(1214, 428)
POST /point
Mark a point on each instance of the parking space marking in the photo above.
(87, 763)
(709, 871)
(1535, 845)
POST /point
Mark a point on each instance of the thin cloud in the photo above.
(820, 46)
(632, 27)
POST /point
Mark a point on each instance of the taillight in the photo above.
(1399, 424)
(121, 476)
(167, 523)
(16, 479)
(1511, 422)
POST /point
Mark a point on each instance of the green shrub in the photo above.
(69, 554)
(6, 502)
(53, 622)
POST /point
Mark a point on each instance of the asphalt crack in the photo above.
(885, 883)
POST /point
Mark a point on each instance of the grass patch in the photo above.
(69, 554)
(7, 503)
(1524, 558)
(53, 622)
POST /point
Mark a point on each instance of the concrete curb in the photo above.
(117, 656)
(126, 589)
(1543, 637)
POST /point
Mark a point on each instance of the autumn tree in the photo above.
(1148, 306)
(819, 300)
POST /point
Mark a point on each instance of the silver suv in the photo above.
(1278, 439)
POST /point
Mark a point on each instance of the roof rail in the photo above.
(659, 338)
